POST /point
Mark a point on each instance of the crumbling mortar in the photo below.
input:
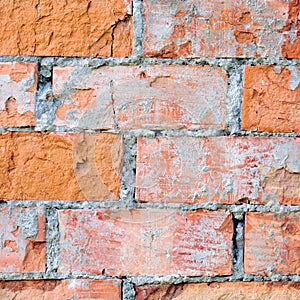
(46, 104)
(52, 241)
(127, 196)
(96, 62)
(237, 209)
(128, 291)
(238, 245)
(138, 27)
(151, 280)
(148, 133)
(234, 98)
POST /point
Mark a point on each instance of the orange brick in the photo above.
(65, 28)
(22, 237)
(141, 97)
(61, 289)
(221, 28)
(271, 99)
(18, 86)
(224, 291)
(219, 169)
(145, 242)
(272, 243)
(60, 166)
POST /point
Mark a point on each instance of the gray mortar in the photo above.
(237, 209)
(52, 241)
(238, 246)
(46, 104)
(128, 171)
(128, 291)
(138, 27)
(234, 98)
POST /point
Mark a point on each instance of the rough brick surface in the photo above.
(271, 99)
(22, 240)
(61, 289)
(220, 169)
(224, 291)
(18, 85)
(227, 28)
(65, 28)
(272, 243)
(141, 97)
(145, 242)
(60, 166)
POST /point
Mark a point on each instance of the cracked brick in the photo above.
(65, 28)
(152, 97)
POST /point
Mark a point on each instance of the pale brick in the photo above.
(219, 169)
(155, 97)
(145, 242)
(18, 86)
(227, 28)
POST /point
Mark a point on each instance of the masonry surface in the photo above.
(150, 149)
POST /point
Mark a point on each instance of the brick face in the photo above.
(60, 166)
(66, 28)
(154, 97)
(160, 242)
(271, 99)
(22, 239)
(181, 169)
(272, 243)
(221, 28)
(225, 290)
(18, 86)
(61, 289)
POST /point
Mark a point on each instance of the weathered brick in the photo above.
(219, 169)
(145, 242)
(18, 85)
(272, 243)
(22, 240)
(228, 28)
(141, 97)
(66, 28)
(271, 99)
(60, 166)
(219, 290)
(61, 289)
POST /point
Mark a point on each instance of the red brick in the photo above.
(22, 237)
(224, 291)
(219, 169)
(141, 97)
(272, 243)
(18, 85)
(61, 289)
(271, 99)
(145, 242)
(66, 28)
(60, 166)
(221, 28)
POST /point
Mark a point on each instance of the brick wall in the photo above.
(150, 149)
